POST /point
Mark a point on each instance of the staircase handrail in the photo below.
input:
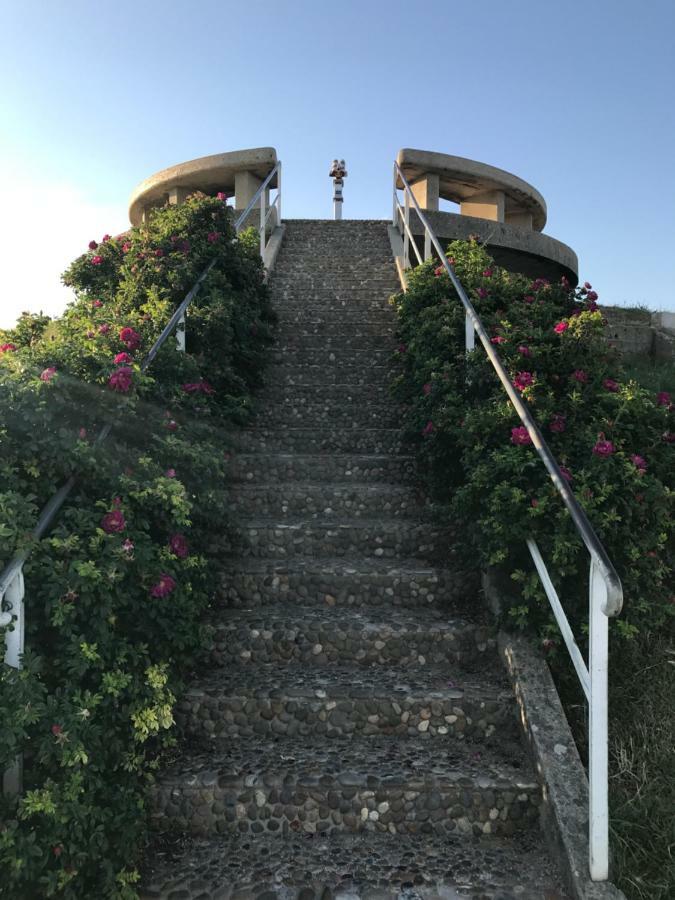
(265, 212)
(605, 590)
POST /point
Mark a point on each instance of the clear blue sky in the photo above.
(574, 97)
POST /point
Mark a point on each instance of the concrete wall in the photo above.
(641, 332)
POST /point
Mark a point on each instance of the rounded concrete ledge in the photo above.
(481, 190)
(516, 249)
(240, 172)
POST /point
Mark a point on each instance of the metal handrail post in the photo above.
(279, 193)
(263, 221)
(598, 753)
(406, 238)
(14, 616)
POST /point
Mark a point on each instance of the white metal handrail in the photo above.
(12, 592)
(605, 591)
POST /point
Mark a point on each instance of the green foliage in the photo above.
(613, 437)
(116, 590)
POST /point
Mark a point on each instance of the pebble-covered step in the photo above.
(369, 307)
(380, 784)
(292, 438)
(333, 327)
(444, 702)
(347, 413)
(318, 635)
(310, 375)
(336, 582)
(278, 467)
(353, 499)
(345, 867)
(382, 538)
(335, 343)
(329, 358)
(338, 392)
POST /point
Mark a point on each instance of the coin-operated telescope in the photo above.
(338, 172)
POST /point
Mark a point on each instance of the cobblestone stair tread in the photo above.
(320, 468)
(305, 867)
(318, 499)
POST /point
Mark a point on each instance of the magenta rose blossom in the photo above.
(523, 380)
(580, 376)
(96, 260)
(159, 252)
(557, 423)
(105, 238)
(130, 338)
(487, 273)
(610, 385)
(97, 304)
(428, 429)
(7, 348)
(520, 436)
(48, 374)
(566, 474)
(528, 298)
(662, 398)
(438, 271)
(179, 546)
(482, 293)
(170, 473)
(121, 379)
(498, 339)
(524, 350)
(103, 329)
(113, 522)
(639, 462)
(172, 425)
(93, 245)
(603, 448)
(122, 358)
(561, 327)
(212, 236)
(164, 586)
(221, 195)
(198, 387)
(426, 389)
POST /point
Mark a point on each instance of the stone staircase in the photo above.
(353, 734)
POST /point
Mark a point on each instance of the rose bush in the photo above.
(116, 590)
(479, 461)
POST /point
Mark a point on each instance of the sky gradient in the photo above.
(574, 97)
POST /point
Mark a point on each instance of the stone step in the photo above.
(372, 392)
(286, 438)
(345, 583)
(340, 328)
(344, 866)
(336, 342)
(351, 538)
(284, 467)
(350, 305)
(381, 784)
(319, 500)
(345, 412)
(322, 376)
(321, 635)
(298, 700)
(333, 358)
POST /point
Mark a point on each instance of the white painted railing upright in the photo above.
(605, 591)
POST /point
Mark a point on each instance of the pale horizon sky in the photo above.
(574, 97)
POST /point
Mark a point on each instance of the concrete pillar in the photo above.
(521, 219)
(178, 195)
(488, 205)
(426, 191)
(245, 186)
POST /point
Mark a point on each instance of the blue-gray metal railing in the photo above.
(12, 607)
(605, 591)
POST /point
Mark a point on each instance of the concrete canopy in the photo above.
(208, 174)
(460, 180)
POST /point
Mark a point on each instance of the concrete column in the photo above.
(245, 186)
(178, 195)
(426, 191)
(488, 205)
(521, 219)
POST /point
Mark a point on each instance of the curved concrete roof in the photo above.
(461, 178)
(208, 174)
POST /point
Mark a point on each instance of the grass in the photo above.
(654, 374)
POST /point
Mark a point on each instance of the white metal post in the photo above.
(598, 820)
(338, 172)
(262, 224)
(14, 645)
(406, 239)
(180, 334)
(469, 334)
(279, 193)
(427, 244)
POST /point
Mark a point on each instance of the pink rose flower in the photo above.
(534, 503)
(668, 437)
(587, 285)
(592, 296)
(221, 195)
(7, 348)
(113, 522)
(122, 358)
(610, 385)
(97, 304)
(82, 434)
(121, 379)
(428, 429)
(90, 334)
(179, 546)
(172, 425)
(198, 387)
(498, 339)
(128, 546)
(105, 238)
(639, 462)
(566, 474)
(96, 260)
(482, 293)
(528, 298)
(159, 252)
(662, 398)
(93, 245)
(438, 271)
(520, 436)
(580, 375)
(126, 247)
(164, 586)
(557, 423)
(426, 389)
(565, 283)
(170, 473)
(212, 236)
(561, 327)
(103, 329)
(130, 337)
(48, 374)
(523, 380)
(539, 283)
(487, 273)
(603, 448)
